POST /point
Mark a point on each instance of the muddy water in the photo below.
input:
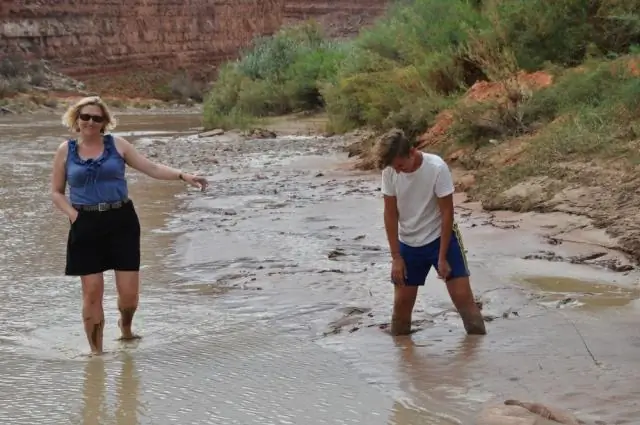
(263, 301)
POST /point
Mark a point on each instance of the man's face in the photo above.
(404, 164)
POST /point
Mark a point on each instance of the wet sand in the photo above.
(263, 299)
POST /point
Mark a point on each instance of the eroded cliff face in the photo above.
(341, 18)
(103, 36)
(95, 37)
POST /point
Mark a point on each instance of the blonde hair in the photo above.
(390, 146)
(70, 117)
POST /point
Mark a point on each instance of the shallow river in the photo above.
(263, 299)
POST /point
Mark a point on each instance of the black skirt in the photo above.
(104, 240)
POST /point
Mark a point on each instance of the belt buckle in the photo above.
(103, 206)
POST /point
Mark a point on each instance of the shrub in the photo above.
(277, 75)
(385, 99)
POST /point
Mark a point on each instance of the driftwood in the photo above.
(515, 412)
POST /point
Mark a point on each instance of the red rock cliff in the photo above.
(340, 17)
(96, 37)
(102, 36)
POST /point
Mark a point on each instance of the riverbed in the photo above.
(265, 299)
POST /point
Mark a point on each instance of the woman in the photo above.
(105, 231)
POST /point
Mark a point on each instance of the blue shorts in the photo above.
(419, 260)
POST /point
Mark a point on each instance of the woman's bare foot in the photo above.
(127, 335)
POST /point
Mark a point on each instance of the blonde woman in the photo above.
(105, 232)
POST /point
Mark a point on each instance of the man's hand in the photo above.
(444, 270)
(398, 271)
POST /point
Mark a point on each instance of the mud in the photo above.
(266, 298)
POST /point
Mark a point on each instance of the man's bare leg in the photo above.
(462, 298)
(92, 312)
(403, 303)
(128, 286)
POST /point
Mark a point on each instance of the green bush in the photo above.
(597, 86)
(277, 75)
(386, 99)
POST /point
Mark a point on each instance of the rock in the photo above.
(523, 196)
(260, 133)
(463, 183)
(212, 133)
(336, 253)
(515, 412)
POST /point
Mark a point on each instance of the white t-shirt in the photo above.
(417, 193)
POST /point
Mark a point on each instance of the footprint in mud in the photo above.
(352, 317)
(366, 253)
(416, 326)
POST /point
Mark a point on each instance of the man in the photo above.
(419, 222)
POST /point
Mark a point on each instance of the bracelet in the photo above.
(180, 176)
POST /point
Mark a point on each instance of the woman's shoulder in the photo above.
(62, 153)
(64, 146)
(122, 145)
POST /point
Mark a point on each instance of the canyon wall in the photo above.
(341, 18)
(105, 36)
(95, 37)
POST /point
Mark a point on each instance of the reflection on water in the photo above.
(96, 409)
(128, 388)
(431, 380)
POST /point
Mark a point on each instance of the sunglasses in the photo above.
(95, 118)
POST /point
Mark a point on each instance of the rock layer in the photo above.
(96, 37)
(341, 18)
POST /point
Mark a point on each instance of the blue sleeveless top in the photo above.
(93, 181)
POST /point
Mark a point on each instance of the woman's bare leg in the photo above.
(92, 312)
(128, 286)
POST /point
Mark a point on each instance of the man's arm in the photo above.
(446, 211)
(444, 189)
(390, 211)
(391, 225)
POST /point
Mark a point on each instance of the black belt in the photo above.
(103, 206)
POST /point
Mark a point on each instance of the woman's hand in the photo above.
(195, 181)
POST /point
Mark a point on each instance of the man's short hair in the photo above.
(391, 145)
